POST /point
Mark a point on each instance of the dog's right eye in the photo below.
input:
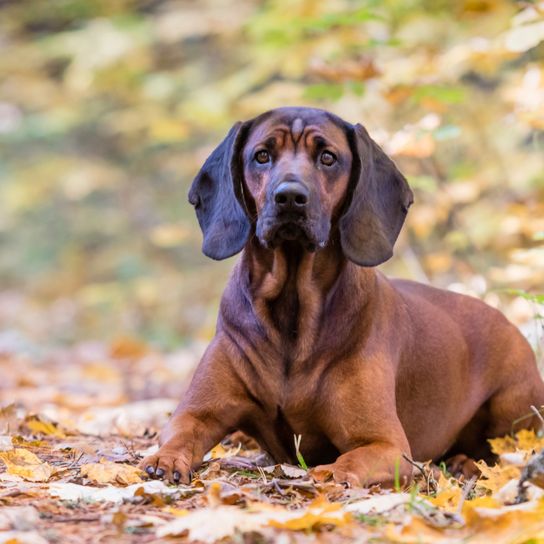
(262, 156)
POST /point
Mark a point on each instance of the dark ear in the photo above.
(216, 194)
(379, 201)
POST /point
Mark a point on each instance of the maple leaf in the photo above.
(527, 440)
(448, 494)
(495, 477)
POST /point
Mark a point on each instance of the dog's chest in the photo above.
(291, 408)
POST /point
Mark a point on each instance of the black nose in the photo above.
(291, 196)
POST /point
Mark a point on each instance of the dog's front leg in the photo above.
(377, 463)
(364, 425)
(212, 407)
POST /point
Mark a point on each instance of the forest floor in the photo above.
(75, 423)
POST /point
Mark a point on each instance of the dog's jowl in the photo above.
(313, 340)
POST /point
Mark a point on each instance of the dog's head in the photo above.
(294, 174)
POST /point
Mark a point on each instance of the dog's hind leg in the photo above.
(519, 397)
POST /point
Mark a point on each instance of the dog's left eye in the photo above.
(262, 156)
(327, 158)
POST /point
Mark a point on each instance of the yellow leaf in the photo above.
(448, 495)
(319, 512)
(482, 502)
(178, 512)
(414, 532)
(107, 472)
(527, 440)
(218, 452)
(506, 444)
(27, 465)
(495, 477)
(518, 524)
(37, 426)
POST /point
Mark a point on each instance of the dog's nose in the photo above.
(291, 195)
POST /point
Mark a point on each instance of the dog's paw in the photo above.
(168, 464)
(337, 473)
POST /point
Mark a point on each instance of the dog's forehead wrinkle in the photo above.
(296, 129)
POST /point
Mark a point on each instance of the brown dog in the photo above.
(312, 340)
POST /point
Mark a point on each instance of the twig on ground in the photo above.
(466, 491)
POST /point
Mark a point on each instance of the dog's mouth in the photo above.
(288, 229)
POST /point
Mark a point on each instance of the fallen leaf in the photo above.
(448, 494)
(37, 426)
(515, 524)
(106, 472)
(27, 465)
(527, 440)
(378, 504)
(495, 477)
(75, 492)
(319, 512)
(227, 520)
(415, 531)
(290, 471)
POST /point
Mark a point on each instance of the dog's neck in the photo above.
(290, 287)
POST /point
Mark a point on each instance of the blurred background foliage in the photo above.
(109, 107)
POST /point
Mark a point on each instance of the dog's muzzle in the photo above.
(287, 218)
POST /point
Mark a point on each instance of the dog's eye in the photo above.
(327, 158)
(262, 156)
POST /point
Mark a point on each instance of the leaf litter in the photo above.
(69, 473)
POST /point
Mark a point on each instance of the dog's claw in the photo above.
(168, 464)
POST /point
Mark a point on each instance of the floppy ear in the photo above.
(379, 202)
(216, 194)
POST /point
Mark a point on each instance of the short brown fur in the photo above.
(370, 371)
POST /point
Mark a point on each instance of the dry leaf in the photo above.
(495, 477)
(415, 531)
(377, 504)
(27, 465)
(524, 440)
(75, 492)
(448, 494)
(227, 520)
(107, 472)
(37, 426)
(517, 524)
(319, 512)
(527, 440)
(290, 471)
